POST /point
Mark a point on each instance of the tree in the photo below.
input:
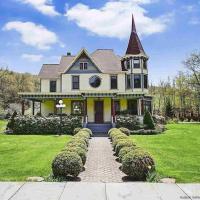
(148, 120)
(168, 108)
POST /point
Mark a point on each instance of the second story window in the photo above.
(75, 82)
(128, 66)
(128, 81)
(52, 86)
(145, 81)
(83, 65)
(136, 63)
(145, 64)
(113, 82)
(137, 81)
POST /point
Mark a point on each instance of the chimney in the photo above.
(68, 53)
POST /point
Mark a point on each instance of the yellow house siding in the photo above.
(123, 104)
(107, 110)
(47, 107)
(90, 109)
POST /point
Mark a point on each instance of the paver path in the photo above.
(101, 165)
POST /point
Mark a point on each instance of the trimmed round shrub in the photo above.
(83, 134)
(79, 140)
(117, 139)
(126, 150)
(77, 144)
(123, 143)
(111, 130)
(115, 133)
(76, 130)
(80, 151)
(125, 131)
(137, 164)
(67, 163)
(82, 139)
(87, 130)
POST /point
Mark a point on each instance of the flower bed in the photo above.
(136, 163)
(43, 125)
(70, 161)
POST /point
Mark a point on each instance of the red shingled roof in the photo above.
(134, 45)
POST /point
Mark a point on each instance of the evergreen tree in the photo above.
(168, 108)
(148, 120)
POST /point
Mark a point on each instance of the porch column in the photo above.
(33, 107)
(85, 110)
(139, 106)
(113, 109)
(23, 107)
(142, 106)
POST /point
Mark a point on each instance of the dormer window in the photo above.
(136, 63)
(83, 65)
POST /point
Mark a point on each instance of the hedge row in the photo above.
(43, 125)
(70, 161)
(136, 163)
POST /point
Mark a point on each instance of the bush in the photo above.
(127, 121)
(83, 134)
(159, 119)
(111, 130)
(123, 143)
(125, 130)
(148, 120)
(137, 164)
(87, 130)
(81, 152)
(78, 137)
(67, 163)
(74, 143)
(117, 138)
(44, 125)
(126, 150)
(76, 130)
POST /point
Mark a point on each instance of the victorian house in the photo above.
(96, 85)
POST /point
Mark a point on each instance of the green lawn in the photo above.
(176, 152)
(25, 156)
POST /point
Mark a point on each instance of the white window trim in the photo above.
(83, 63)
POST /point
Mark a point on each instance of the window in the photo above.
(77, 107)
(132, 107)
(128, 66)
(95, 81)
(137, 81)
(75, 82)
(52, 86)
(83, 65)
(117, 106)
(145, 64)
(145, 81)
(128, 81)
(136, 63)
(113, 81)
(147, 106)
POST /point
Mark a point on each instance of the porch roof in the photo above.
(80, 94)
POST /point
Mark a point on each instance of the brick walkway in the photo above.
(101, 165)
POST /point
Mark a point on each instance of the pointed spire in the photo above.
(133, 25)
(134, 45)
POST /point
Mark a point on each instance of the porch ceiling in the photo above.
(41, 95)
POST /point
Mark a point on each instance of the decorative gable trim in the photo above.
(78, 56)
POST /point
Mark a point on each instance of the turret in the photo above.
(135, 62)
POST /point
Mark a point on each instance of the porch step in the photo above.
(99, 128)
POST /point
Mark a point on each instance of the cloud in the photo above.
(194, 21)
(44, 6)
(114, 18)
(32, 57)
(32, 34)
(189, 8)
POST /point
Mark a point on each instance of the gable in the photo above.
(83, 58)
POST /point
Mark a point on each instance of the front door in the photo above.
(98, 110)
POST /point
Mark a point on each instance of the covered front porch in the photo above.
(93, 107)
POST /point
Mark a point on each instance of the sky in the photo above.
(34, 32)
